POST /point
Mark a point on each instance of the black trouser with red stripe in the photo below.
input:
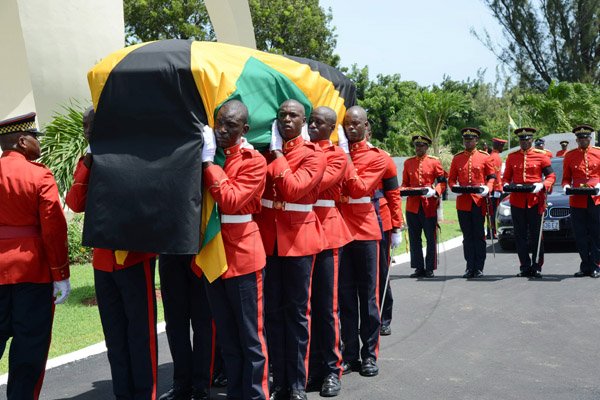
(127, 306)
(185, 303)
(26, 313)
(527, 223)
(325, 355)
(237, 305)
(287, 314)
(359, 299)
(473, 230)
(418, 223)
(384, 266)
(585, 223)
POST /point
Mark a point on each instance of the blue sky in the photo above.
(421, 40)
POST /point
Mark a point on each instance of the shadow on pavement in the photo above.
(485, 278)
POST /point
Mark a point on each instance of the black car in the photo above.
(557, 219)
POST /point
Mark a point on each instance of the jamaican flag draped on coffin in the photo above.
(151, 102)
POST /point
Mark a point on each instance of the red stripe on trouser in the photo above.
(435, 252)
(38, 385)
(213, 351)
(336, 310)
(261, 331)
(306, 356)
(151, 324)
(377, 300)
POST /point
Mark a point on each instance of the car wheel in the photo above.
(506, 244)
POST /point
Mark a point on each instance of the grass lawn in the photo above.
(449, 226)
(77, 322)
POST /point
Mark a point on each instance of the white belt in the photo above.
(362, 200)
(282, 205)
(325, 203)
(235, 219)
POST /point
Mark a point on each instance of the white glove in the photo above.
(396, 239)
(567, 186)
(430, 192)
(496, 194)
(62, 287)
(210, 145)
(597, 186)
(276, 140)
(486, 190)
(537, 187)
(343, 140)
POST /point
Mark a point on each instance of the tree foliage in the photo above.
(295, 27)
(147, 20)
(548, 40)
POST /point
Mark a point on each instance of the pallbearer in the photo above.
(581, 170)
(497, 148)
(472, 170)
(564, 144)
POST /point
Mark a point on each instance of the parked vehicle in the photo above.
(557, 220)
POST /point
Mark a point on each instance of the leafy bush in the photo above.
(63, 144)
(78, 254)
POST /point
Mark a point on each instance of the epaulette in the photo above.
(39, 164)
(514, 152)
(248, 153)
(312, 145)
(596, 147)
(540, 151)
(483, 152)
(410, 158)
(576, 149)
(434, 157)
(460, 152)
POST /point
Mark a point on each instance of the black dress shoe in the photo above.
(313, 383)
(199, 394)
(579, 274)
(524, 274)
(177, 393)
(298, 395)
(331, 386)
(220, 380)
(468, 274)
(429, 274)
(369, 367)
(477, 274)
(536, 275)
(595, 274)
(385, 330)
(349, 366)
(418, 273)
(279, 393)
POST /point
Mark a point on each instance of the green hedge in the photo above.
(78, 254)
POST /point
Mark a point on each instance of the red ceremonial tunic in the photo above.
(561, 153)
(362, 178)
(548, 153)
(390, 205)
(336, 233)
(471, 168)
(497, 164)
(237, 189)
(421, 172)
(581, 167)
(33, 229)
(103, 259)
(294, 178)
(526, 167)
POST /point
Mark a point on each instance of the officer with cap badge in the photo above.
(539, 144)
(469, 168)
(531, 167)
(497, 148)
(563, 148)
(423, 171)
(34, 266)
(581, 168)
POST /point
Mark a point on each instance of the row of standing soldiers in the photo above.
(322, 220)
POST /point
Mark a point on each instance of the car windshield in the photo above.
(557, 166)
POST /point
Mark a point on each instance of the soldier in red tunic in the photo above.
(325, 353)
(236, 298)
(124, 283)
(496, 193)
(472, 167)
(423, 171)
(292, 236)
(528, 166)
(359, 279)
(581, 168)
(34, 257)
(564, 144)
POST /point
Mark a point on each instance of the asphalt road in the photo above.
(500, 337)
